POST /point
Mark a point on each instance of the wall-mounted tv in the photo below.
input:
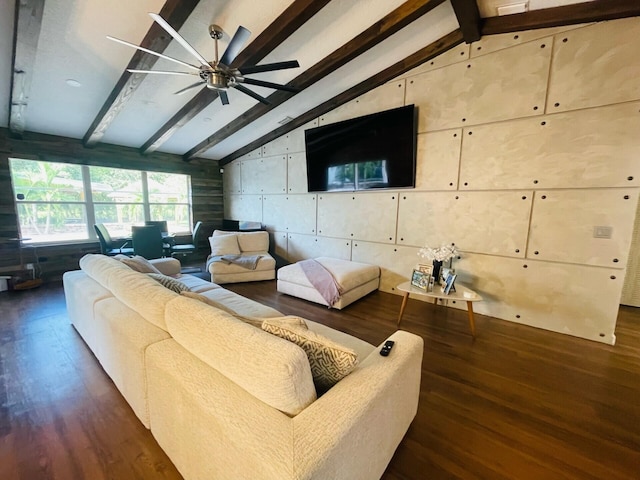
(373, 151)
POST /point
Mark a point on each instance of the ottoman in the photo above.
(355, 280)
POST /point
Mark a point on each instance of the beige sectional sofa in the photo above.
(225, 399)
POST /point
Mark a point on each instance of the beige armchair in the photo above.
(240, 257)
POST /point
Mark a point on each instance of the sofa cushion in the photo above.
(169, 282)
(253, 241)
(138, 263)
(136, 290)
(269, 368)
(265, 263)
(196, 284)
(329, 361)
(255, 321)
(224, 245)
(241, 305)
(248, 241)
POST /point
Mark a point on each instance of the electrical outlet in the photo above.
(602, 231)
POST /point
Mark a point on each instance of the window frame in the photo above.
(89, 204)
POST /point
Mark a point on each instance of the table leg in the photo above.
(472, 323)
(404, 304)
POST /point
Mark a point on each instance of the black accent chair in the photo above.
(147, 241)
(107, 245)
(185, 248)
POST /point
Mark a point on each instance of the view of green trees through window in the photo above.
(59, 202)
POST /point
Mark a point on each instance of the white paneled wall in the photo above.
(528, 151)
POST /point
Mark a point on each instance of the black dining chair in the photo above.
(147, 241)
(160, 223)
(186, 248)
(107, 245)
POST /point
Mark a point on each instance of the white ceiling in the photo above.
(73, 45)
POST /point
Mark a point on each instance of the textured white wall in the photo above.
(526, 142)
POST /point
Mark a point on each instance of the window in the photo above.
(58, 202)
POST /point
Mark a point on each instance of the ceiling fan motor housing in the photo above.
(216, 80)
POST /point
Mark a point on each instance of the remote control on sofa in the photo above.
(386, 348)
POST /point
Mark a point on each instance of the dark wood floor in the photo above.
(516, 403)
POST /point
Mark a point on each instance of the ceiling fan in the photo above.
(217, 74)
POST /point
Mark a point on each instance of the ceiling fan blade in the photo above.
(235, 45)
(185, 89)
(269, 67)
(161, 72)
(251, 93)
(185, 64)
(262, 83)
(224, 98)
(162, 22)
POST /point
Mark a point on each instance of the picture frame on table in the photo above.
(420, 280)
(449, 284)
(425, 268)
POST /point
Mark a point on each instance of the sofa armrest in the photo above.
(167, 265)
(353, 430)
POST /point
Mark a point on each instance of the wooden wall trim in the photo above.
(39, 146)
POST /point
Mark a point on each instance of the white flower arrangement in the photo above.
(440, 254)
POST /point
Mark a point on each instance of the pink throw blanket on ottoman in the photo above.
(322, 280)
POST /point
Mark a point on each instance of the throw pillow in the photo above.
(224, 245)
(255, 321)
(329, 361)
(138, 263)
(169, 282)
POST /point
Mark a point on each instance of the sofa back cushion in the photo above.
(271, 369)
(224, 245)
(136, 290)
(248, 241)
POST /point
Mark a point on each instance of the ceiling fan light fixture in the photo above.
(216, 81)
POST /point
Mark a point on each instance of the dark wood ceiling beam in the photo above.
(176, 13)
(296, 15)
(468, 16)
(414, 60)
(26, 32)
(382, 29)
(596, 11)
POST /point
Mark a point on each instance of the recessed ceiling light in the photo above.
(73, 83)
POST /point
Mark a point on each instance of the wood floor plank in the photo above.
(514, 403)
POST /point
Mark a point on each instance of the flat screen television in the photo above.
(373, 151)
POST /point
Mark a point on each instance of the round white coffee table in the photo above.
(462, 294)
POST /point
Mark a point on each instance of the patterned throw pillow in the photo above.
(169, 282)
(138, 263)
(255, 321)
(329, 361)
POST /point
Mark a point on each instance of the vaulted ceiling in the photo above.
(60, 75)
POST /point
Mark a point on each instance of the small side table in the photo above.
(462, 294)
